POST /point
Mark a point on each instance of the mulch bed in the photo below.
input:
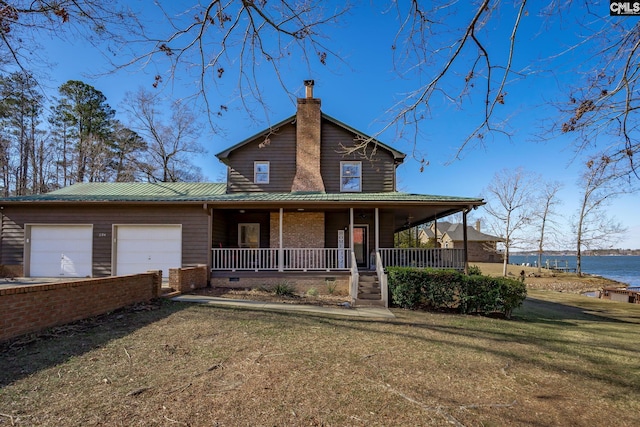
(267, 296)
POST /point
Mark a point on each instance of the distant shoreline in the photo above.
(599, 252)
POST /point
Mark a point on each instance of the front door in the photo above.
(361, 245)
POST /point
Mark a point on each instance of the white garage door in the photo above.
(60, 250)
(140, 248)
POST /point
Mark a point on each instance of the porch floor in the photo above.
(360, 312)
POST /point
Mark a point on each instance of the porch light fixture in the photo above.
(241, 211)
(300, 209)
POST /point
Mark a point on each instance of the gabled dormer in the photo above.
(310, 152)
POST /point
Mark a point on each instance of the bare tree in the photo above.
(128, 150)
(510, 199)
(482, 58)
(236, 41)
(601, 182)
(23, 23)
(202, 42)
(171, 141)
(461, 53)
(20, 110)
(543, 215)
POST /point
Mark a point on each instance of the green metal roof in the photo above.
(128, 191)
(216, 192)
(341, 197)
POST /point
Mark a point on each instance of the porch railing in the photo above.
(328, 259)
(382, 279)
(423, 258)
(355, 277)
(263, 259)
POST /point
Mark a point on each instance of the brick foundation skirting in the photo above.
(323, 283)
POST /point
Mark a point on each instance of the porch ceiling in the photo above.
(411, 216)
(406, 215)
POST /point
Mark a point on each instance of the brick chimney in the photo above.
(308, 118)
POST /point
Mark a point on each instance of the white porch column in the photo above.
(435, 232)
(464, 236)
(377, 219)
(280, 248)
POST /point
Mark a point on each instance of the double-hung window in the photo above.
(261, 172)
(249, 235)
(351, 176)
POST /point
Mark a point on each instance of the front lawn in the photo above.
(564, 359)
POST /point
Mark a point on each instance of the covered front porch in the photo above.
(259, 243)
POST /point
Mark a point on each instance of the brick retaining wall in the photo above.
(25, 309)
(187, 279)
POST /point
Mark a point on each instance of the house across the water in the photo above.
(301, 204)
(481, 247)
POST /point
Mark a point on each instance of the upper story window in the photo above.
(261, 172)
(351, 176)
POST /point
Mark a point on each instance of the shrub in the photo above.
(283, 290)
(477, 295)
(312, 292)
(439, 288)
(446, 289)
(405, 287)
(474, 270)
(482, 294)
(331, 286)
(513, 293)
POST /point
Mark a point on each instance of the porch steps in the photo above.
(369, 294)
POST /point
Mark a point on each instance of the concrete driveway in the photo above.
(6, 282)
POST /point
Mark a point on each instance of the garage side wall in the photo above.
(194, 219)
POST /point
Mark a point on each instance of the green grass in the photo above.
(563, 360)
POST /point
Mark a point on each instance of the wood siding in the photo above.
(196, 246)
(225, 226)
(378, 173)
(280, 152)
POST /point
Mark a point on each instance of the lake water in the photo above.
(625, 269)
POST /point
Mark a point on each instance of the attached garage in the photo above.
(140, 248)
(59, 250)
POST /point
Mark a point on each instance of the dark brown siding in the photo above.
(280, 152)
(194, 220)
(220, 233)
(334, 221)
(233, 218)
(377, 173)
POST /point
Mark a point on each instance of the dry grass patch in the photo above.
(180, 364)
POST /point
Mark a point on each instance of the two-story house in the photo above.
(299, 205)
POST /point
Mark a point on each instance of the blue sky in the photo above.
(361, 91)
